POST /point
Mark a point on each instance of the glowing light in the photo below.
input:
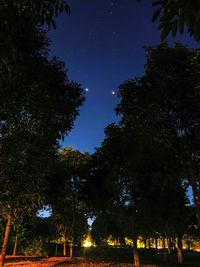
(113, 93)
(87, 89)
(87, 244)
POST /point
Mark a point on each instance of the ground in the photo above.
(22, 261)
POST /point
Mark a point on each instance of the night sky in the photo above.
(102, 44)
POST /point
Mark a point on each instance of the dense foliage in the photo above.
(175, 16)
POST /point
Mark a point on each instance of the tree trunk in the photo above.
(145, 243)
(71, 251)
(65, 248)
(188, 245)
(156, 242)
(149, 243)
(56, 249)
(163, 243)
(180, 249)
(15, 245)
(168, 246)
(5, 241)
(196, 196)
(135, 253)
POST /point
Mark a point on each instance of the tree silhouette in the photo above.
(38, 107)
(174, 16)
(18, 13)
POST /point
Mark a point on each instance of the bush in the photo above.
(36, 248)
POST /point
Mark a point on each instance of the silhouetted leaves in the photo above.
(174, 16)
(16, 14)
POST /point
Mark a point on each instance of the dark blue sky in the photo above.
(102, 43)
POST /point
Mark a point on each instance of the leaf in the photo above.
(155, 3)
(156, 14)
(165, 32)
(61, 8)
(174, 28)
(67, 9)
(53, 23)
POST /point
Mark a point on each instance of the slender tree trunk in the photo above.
(196, 196)
(5, 241)
(180, 249)
(145, 243)
(15, 245)
(156, 242)
(65, 248)
(71, 251)
(163, 242)
(135, 253)
(149, 243)
(56, 249)
(168, 246)
(188, 245)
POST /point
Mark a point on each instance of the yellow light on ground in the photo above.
(87, 244)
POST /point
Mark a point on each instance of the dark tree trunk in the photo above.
(180, 249)
(149, 243)
(56, 249)
(5, 241)
(188, 245)
(163, 242)
(135, 253)
(15, 245)
(145, 243)
(156, 242)
(168, 246)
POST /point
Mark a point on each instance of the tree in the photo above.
(109, 178)
(151, 150)
(99, 183)
(38, 107)
(163, 108)
(15, 13)
(174, 16)
(69, 212)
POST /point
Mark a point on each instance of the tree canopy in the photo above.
(152, 153)
(175, 16)
(17, 14)
(38, 107)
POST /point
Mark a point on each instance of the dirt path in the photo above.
(36, 262)
(21, 261)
